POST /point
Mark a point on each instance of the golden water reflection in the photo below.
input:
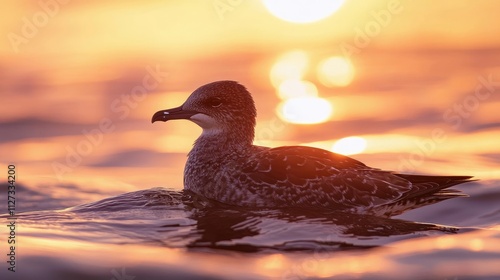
(289, 66)
(64, 79)
(389, 262)
(350, 145)
(297, 88)
(335, 71)
(301, 102)
(305, 110)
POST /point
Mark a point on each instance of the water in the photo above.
(158, 232)
(117, 210)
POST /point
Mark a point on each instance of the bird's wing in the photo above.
(296, 175)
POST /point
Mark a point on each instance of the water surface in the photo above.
(156, 232)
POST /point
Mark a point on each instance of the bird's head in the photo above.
(223, 107)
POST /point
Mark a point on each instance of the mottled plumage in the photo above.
(225, 166)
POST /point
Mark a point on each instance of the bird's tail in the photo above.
(429, 190)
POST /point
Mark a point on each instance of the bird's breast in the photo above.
(217, 178)
(207, 176)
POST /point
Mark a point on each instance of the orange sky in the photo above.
(195, 28)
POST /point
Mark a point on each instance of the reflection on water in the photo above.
(156, 232)
(177, 219)
(101, 219)
(305, 110)
(349, 145)
(335, 71)
(290, 66)
(424, 111)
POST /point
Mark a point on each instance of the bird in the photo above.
(225, 166)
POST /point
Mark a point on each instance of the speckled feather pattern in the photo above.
(226, 167)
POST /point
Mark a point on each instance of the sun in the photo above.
(302, 11)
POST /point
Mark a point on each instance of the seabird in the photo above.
(225, 166)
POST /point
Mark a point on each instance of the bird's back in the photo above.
(296, 176)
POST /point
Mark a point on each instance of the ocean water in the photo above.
(94, 203)
(162, 233)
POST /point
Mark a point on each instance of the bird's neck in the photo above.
(220, 142)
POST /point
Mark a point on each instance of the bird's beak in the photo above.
(172, 114)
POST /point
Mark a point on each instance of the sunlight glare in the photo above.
(335, 71)
(476, 245)
(305, 110)
(289, 66)
(302, 11)
(349, 145)
(297, 88)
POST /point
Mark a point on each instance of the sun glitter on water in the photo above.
(297, 88)
(335, 71)
(289, 66)
(305, 110)
(301, 103)
(350, 145)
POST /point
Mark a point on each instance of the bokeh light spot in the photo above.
(297, 88)
(289, 66)
(349, 145)
(302, 11)
(476, 244)
(305, 110)
(335, 71)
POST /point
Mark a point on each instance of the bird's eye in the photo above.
(214, 102)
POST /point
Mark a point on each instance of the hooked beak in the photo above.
(173, 114)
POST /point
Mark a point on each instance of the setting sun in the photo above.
(305, 110)
(349, 145)
(302, 11)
